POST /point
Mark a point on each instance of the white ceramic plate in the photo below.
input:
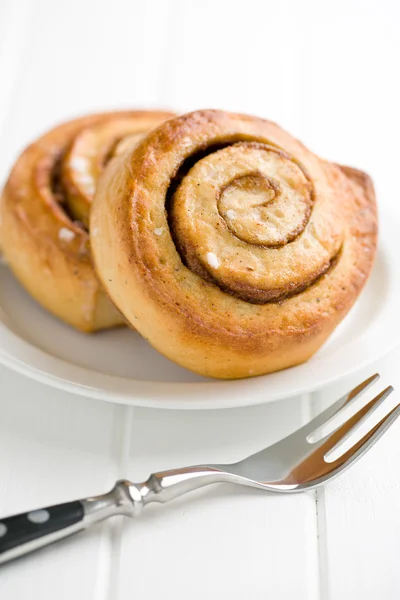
(120, 366)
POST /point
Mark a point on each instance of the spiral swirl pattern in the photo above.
(229, 245)
(45, 212)
(237, 217)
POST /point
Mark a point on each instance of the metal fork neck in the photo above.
(127, 498)
(118, 501)
(168, 485)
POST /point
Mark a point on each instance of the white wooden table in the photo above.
(329, 74)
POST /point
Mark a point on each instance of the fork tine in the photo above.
(323, 418)
(330, 441)
(366, 442)
(351, 425)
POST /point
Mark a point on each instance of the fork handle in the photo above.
(25, 532)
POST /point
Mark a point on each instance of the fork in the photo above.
(299, 462)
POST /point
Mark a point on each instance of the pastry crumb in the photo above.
(159, 231)
(79, 164)
(66, 235)
(213, 260)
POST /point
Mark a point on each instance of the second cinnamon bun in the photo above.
(44, 210)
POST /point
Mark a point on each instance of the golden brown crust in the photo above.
(226, 303)
(43, 204)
